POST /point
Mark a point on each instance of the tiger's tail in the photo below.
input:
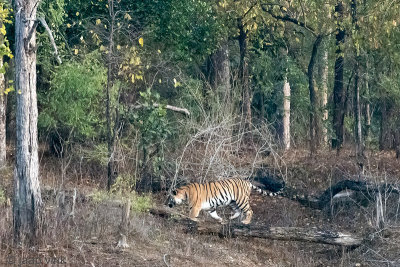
(266, 193)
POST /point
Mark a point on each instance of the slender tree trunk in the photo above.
(314, 124)
(324, 93)
(367, 106)
(27, 202)
(384, 127)
(324, 84)
(357, 104)
(3, 107)
(110, 128)
(244, 76)
(286, 106)
(339, 95)
(357, 113)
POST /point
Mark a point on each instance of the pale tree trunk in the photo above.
(357, 104)
(286, 107)
(27, 203)
(367, 107)
(3, 105)
(324, 83)
(324, 87)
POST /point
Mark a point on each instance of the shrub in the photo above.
(72, 109)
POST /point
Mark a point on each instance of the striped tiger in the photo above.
(208, 196)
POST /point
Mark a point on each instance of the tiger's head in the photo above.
(178, 196)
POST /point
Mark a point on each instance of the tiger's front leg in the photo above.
(194, 213)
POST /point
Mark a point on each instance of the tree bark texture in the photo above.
(357, 104)
(3, 107)
(244, 76)
(220, 73)
(286, 107)
(367, 106)
(339, 95)
(111, 131)
(314, 118)
(313, 234)
(324, 84)
(27, 201)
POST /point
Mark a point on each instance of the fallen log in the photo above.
(315, 235)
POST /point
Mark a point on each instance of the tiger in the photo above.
(234, 192)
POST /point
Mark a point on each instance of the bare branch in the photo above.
(173, 108)
(43, 22)
(288, 18)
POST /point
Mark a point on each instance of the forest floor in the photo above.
(90, 238)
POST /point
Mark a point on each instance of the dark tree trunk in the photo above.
(314, 118)
(220, 73)
(244, 76)
(338, 88)
(27, 202)
(111, 120)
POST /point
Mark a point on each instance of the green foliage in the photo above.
(74, 104)
(153, 126)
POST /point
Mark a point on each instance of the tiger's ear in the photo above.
(174, 192)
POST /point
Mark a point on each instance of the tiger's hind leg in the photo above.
(213, 213)
(249, 214)
(246, 209)
(238, 212)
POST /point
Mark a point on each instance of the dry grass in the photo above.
(90, 238)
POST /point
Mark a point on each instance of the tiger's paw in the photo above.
(246, 221)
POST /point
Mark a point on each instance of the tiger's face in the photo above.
(177, 197)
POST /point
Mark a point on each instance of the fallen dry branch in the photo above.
(276, 233)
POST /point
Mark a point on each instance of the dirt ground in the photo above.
(90, 238)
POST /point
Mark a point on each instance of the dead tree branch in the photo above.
(169, 107)
(53, 43)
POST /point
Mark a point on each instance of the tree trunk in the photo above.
(3, 107)
(314, 120)
(27, 202)
(367, 107)
(357, 104)
(357, 113)
(384, 126)
(339, 95)
(110, 129)
(220, 73)
(244, 76)
(286, 107)
(324, 84)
